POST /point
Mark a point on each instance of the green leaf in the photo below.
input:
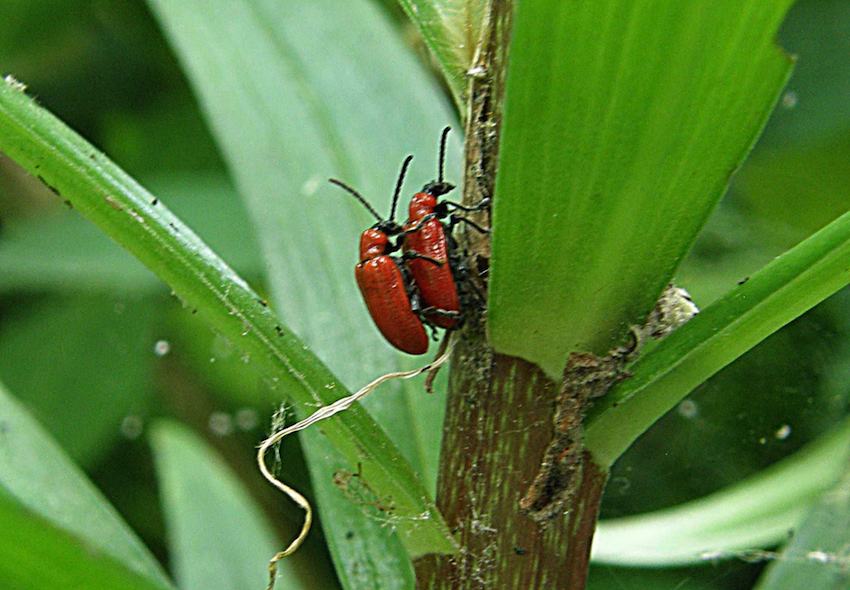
(38, 475)
(38, 555)
(313, 109)
(100, 352)
(103, 193)
(623, 123)
(64, 252)
(755, 513)
(310, 113)
(240, 385)
(451, 29)
(816, 556)
(413, 420)
(218, 363)
(358, 530)
(217, 535)
(665, 373)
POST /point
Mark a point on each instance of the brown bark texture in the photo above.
(499, 423)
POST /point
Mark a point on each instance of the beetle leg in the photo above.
(446, 313)
(434, 334)
(460, 269)
(411, 255)
(455, 219)
(415, 301)
(412, 291)
(432, 374)
(416, 307)
(480, 206)
(422, 312)
(419, 224)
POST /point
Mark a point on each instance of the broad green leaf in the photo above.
(103, 193)
(218, 537)
(98, 354)
(795, 181)
(451, 29)
(307, 111)
(666, 372)
(308, 229)
(64, 252)
(816, 556)
(39, 476)
(332, 92)
(39, 555)
(755, 513)
(623, 122)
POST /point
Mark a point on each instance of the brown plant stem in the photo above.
(499, 422)
(500, 408)
(500, 411)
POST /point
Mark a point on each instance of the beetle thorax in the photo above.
(421, 204)
(373, 243)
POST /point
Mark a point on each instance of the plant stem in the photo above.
(499, 419)
(499, 422)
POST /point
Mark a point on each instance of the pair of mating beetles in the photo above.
(427, 284)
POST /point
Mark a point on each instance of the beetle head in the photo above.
(438, 188)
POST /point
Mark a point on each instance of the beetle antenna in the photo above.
(357, 196)
(398, 184)
(442, 160)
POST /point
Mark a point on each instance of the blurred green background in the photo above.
(98, 354)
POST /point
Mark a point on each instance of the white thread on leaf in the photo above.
(323, 413)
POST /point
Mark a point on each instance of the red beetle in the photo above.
(389, 294)
(427, 239)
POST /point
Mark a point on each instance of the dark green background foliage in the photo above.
(79, 318)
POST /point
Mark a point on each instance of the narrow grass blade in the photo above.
(360, 530)
(343, 507)
(665, 373)
(736, 521)
(623, 123)
(451, 29)
(107, 196)
(217, 536)
(816, 556)
(64, 252)
(38, 475)
(39, 555)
